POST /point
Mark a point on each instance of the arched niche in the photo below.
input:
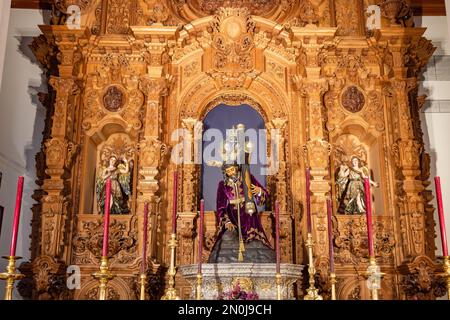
(111, 138)
(215, 123)
(356, 138)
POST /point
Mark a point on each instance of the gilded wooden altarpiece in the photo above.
(137, 70)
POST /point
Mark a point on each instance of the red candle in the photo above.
(437, 181)
(144, 240)
(175, 202)
(308, 200)
(277, 234)
(369, 216)
(330, 235)
(200, 235)
(15, 230)
(106, 218)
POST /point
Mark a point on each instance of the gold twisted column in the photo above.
(312, 292)
(103, 276)
(199, 286)
(143, 284)
(333, 285)
(10, 276)
(447, 274)
(171, 293)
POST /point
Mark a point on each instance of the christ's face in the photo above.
(231, 171)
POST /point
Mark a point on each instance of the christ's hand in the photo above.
(229, 226)
(256, 190)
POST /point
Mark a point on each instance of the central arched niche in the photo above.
(223, 117)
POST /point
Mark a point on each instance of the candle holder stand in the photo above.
(10, 276)
(333, 282)
(143, 284)
(103, 276)
(278, 282)
(198, 292)
(312, 291)
(446, 274)
(374, 276)
(171, 293)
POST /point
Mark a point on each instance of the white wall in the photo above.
(21, 126)
(436, 114)
(4, 20)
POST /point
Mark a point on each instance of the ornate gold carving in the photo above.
(281, 57)
(113, 99)
(232, 42)
(122, 240)
(351, 240)
(353, 99)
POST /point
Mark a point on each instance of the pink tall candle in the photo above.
(175, 202)
(277, 234)
(308, 200)
(106, 218)
(144, 239)
(369, 216)
(200, 235)
(330, 234)
(15, 229)
(437, 182)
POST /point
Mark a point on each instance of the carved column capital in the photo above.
(155, 88)
(67, 40)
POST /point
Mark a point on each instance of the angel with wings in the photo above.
(118, 170)
(350, 187)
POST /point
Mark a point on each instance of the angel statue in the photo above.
(350, 187)
(118, 170)
(240, 235)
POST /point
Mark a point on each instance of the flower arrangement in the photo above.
(238, 294)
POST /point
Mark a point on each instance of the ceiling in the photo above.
(421, 7)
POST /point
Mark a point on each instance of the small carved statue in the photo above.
(118, 170)
(350, 187)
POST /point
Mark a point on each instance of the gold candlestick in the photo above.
(312, 292)
(143, 283)
(333, 285)
(171, 293)
(374, 276)
(447, 274)
(104, 276)
(10, 276)
(278, 282)
(199, 286)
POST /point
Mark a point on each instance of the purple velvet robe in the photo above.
(250, 224)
